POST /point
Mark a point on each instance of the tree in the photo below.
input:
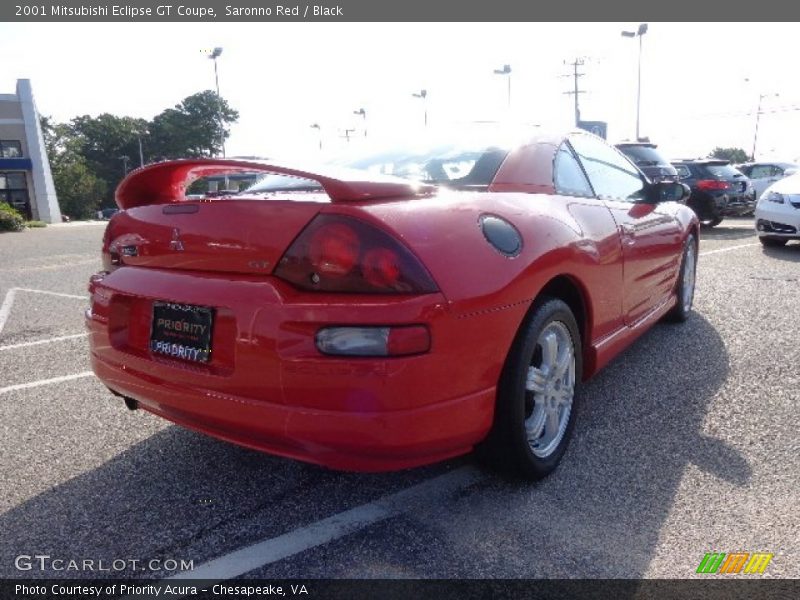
(104, 140)
(89, 156)
(194, 128)
(735, 155)
(80, 192)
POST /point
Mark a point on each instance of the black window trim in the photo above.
(645, 181)
(568, 146)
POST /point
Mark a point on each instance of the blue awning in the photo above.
(15, 164)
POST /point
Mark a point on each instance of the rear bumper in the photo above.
(267, 387)
(738, 207)
(353, 441)
(712, 206)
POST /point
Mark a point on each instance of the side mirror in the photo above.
(667, 191)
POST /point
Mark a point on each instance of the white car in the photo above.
(764, 174)
(778, 212)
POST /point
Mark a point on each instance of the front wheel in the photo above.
(684, 290)
(537, 393)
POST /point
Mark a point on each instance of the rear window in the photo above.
(643, 156)
(452, 166)
(722, 171)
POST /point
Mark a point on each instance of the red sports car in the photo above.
(394, 313)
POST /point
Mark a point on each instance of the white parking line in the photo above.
(727, 249)
(252, 557)
(33, 384)
(49, 293)
(5, 309)
(47, 341)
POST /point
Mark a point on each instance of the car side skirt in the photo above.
(603, 351)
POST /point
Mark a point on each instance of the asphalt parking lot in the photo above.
(686, 444)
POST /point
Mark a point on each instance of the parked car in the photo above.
(778, 212)
(367, 321)
(649, 160)
(764, 174)
(106, 213)
(718, 190)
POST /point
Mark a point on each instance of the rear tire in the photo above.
(537, 393)
(684, 290)
(769, 242)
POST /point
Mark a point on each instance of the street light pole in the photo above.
(758, 119)
(506, 70)
(318, 128)
(639, 89)
(363, 113)
(638, 33)
(423, 95)
(215, 54)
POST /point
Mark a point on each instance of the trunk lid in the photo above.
(159, 227)
(225, 235)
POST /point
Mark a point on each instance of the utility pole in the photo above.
(214, 55)
(578, 62)
(758, 118)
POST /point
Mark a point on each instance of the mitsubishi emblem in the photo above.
(176, 243)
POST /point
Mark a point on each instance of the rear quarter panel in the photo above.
(489, 294)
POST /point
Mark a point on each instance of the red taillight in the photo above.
(414, 339)
(333, 250)
(381, 267)
(336, 253)
(711, 185)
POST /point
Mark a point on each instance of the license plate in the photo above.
(182, 331)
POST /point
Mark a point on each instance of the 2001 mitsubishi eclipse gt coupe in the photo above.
(394, 313)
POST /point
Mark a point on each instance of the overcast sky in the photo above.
(284, 77)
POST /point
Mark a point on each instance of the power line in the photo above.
(746, 113)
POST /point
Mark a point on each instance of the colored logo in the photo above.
(736, 562)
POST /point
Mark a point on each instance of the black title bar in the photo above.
(708, 588)
(401, 10)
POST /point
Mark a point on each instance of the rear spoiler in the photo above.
(166, 182)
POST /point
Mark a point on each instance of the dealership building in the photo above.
(25, 179)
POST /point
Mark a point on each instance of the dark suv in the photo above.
(650, 162)
(718, 190)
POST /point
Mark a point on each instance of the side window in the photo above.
(776, 171)
(683, 172)
(760, 171)
(568, 177)
(610, 173)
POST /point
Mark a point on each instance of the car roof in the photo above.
(767, 163)
(700, 161)
(643, 144)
